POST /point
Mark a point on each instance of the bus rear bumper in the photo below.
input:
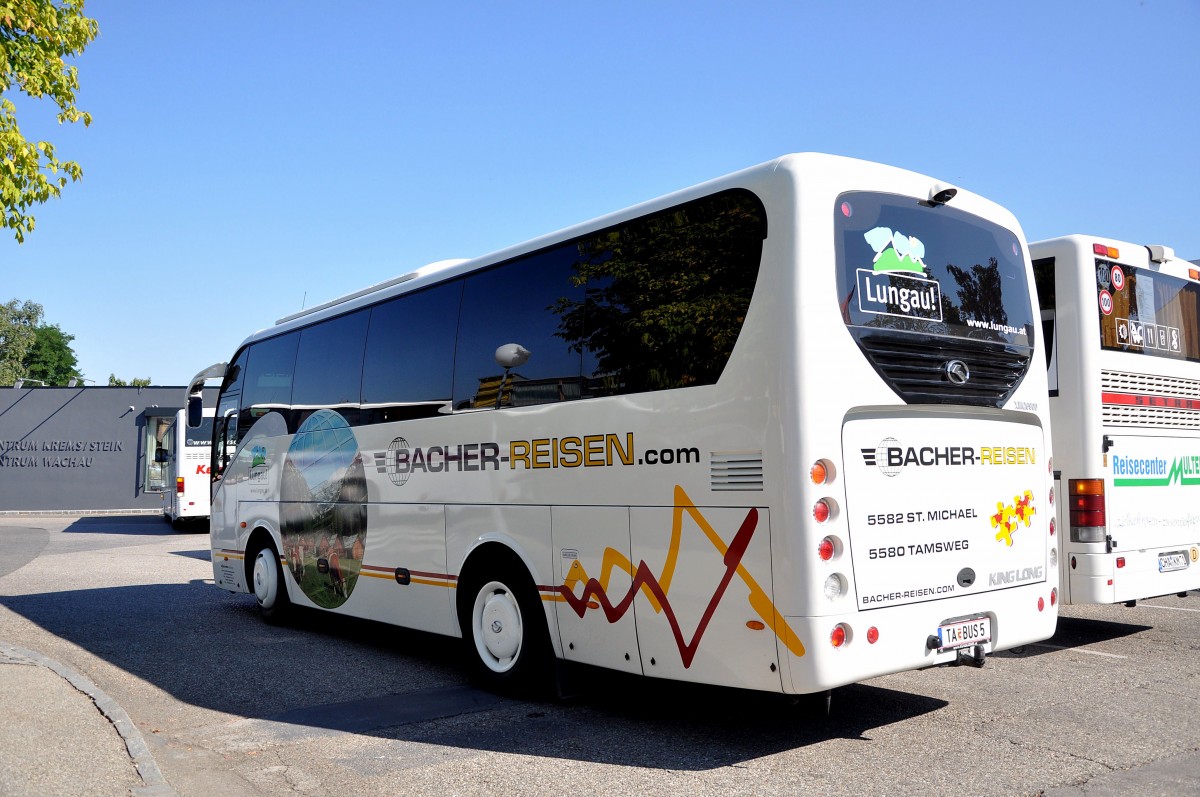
(907, 637)
(1124, 576)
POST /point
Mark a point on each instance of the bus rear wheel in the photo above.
(269, 589)
(504, 627)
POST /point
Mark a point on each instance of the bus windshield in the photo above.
(904, 265)
(1148, 312)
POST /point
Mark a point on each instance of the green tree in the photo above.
(114, 382)
(36, 36)
(18, 324)
(51, 358)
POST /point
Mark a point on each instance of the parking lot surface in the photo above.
(116, 651)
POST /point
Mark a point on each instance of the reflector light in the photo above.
(1051, 527)
(835, 586)
(826, 549)
(819, 473)
(1054, 596)
(179, 484)
(840, 635)
(1120, 562)
(872, 635)
(821, 510)
(1041, 604)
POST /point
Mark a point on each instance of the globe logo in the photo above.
(394, 473)
(881, 456)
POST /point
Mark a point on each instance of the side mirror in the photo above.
(160, 456)
(195, 411)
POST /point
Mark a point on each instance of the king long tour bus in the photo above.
(1122, 326)
(777, 431)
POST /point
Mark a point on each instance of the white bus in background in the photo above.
(186, 457)
(784, 430)
(1123, 321)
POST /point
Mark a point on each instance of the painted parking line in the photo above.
(1077, 650)
(1169, 608)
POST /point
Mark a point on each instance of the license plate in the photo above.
(964, 633)
(1176, 560)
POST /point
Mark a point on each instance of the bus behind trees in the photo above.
(1123, 324)
(784, 430)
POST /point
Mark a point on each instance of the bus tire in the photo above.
(504, 627)
(269, 588)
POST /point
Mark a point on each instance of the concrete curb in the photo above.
(153, 782)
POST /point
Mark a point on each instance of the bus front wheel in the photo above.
(269, 589)
(504, 626)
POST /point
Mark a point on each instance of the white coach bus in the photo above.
(777, 431)
(1122, 324)
(187, 458)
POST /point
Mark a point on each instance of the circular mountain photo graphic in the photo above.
(323, 509)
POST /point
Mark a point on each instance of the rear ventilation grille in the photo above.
(1155, 412)
(914, 366)
(736, 470)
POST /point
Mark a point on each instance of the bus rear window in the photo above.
(906, 266)
(1145, 312)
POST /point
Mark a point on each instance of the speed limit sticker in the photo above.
(1106, 305)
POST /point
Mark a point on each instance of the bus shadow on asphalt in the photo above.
(129, 525)
(324, 674)
(1076, 632)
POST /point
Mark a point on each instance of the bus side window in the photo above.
(329, 367)
(515, 303)
(267, 385)
(408, 366)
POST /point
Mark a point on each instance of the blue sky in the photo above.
(247, 159)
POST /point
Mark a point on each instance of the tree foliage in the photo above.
(18, 324)
(36, 38)
(113, 381)
(51, 358)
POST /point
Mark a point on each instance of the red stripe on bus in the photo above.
(1143, 400)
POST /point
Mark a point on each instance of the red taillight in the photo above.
(179, 484)
(1087, 502)
(1120, 562)
(1041, 604)
(1054, 596)
(839, 635)
(821, 510)
(872, 635)
(1051, 527)
(826, 549)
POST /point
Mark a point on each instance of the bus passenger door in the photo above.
(595, 620)
(704, 610)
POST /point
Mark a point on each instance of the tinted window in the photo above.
(514, 304)
(329, 363)
(409, 362)
(666, 295)
(268, 382)
(903, 265)
(1149, 312)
